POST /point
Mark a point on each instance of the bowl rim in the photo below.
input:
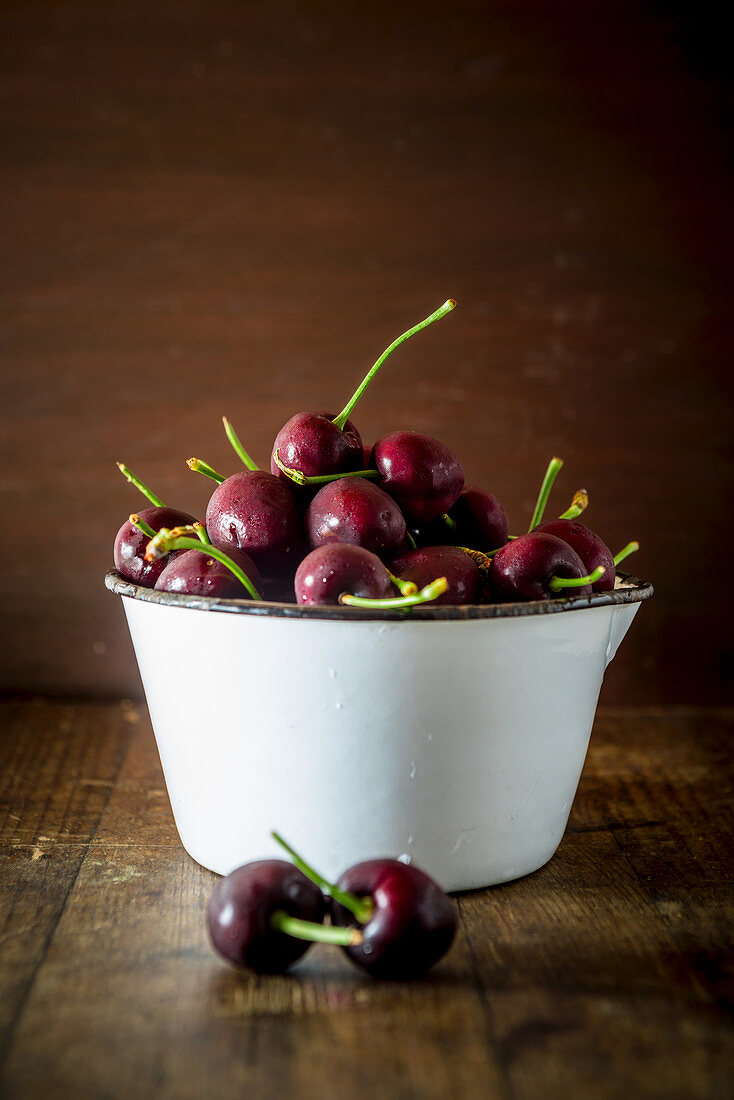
(632, 590)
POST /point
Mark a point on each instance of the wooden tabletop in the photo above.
(606, 974)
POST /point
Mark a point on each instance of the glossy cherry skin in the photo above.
(329, 571)
(589, 547)
(413, 923)
(240, 908)
(256, 512)
(357, 511)
(480, 523)
(427, 563)
(130, 544)
(523, 568)
(194, 573)
(312, 443)
(419, 472)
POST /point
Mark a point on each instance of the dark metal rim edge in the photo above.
(639, 591)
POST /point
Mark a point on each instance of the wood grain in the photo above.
(215, 207)
(608, 973)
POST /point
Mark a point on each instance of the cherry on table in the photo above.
(253, 912)
(538, 566)
(419, 472)
(356, 511)
(404, 920)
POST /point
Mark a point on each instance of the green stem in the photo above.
(578, 505)
(320, 479)
(361, 908)
(630, 548)
(450, 523)
(167, 540)
(313, 932)
(344, 415)
(558, 583)
(237, 447)
(431, 592)
(200, 467)
(551, 474)
(140, 485)
(141, 525)
(201, 532)
(411, 541)
(405, 588)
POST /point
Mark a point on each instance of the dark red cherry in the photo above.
(312, 443)
(419, 472)
(242, 905)
(413, 922)
(329, 571)
(589, 547)
(481, 521)
(130, 544)
(256, 512)
(523, 568)
(195, 573)
(428, 562)
(357, 511)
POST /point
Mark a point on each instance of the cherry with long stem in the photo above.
(204, 468)
(630, 548)
(313, 932)
(169, 539)
(134, 480)
(344, 415)
(319, 479)
(557, 584)
(237, 447)
(430, 592)
(554, 468)
(142, 526)
(361, 908)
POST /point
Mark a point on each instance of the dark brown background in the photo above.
(233, 207)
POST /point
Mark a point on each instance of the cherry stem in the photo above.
(361, 908)
(319, 479)
(313, 932)
(140, 485)
(169, 539)
(630, 548)
(237, 447)
(551, 474)
(344, 415)
(201, 532)
(557, 583)
(405, 588)
(578, 505)
(411, 541)
(431, 592)
(200, 467)
(142, 526)
(450, 523)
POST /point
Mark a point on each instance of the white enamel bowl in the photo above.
(453, 737)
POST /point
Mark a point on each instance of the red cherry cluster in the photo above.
(391, 919)
(333, 521)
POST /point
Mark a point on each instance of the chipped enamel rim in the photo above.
(629, 590)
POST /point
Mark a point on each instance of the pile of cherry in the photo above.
(390, 918)
(333, 521)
